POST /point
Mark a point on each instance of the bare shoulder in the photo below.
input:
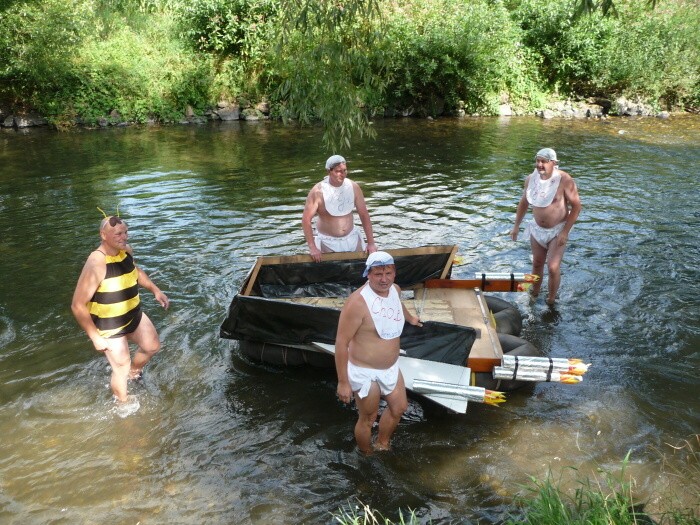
(355, 306)
(96, 259)
(315, 191)
(93, 272)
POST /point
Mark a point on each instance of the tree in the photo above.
(325, 65)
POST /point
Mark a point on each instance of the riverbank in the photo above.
(233, 111)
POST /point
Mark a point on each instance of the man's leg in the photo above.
(367, 407)
(539, 256)
(397, 403)
(146, 337)
(119, 358)
(555, 254)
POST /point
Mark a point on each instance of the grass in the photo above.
(606, 498)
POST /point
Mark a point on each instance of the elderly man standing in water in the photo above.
(106, 305)
(332, 200)
(367, 352)
(556, 205)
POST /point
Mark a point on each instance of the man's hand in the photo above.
(162, 299)
(315, 254)
(99, 343)
(562, 238)
(344, 392)
(415, 321)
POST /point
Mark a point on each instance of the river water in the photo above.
(220, 439)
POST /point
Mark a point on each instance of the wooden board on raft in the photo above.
(446, 305)
(413, 369)
(438, 304)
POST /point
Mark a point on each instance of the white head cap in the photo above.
(333, 161)
(377, 259)
(547, 154)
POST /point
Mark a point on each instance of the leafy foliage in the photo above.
(323, 66)
(341, 63)
(446, 51)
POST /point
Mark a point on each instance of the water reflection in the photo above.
(218, 439)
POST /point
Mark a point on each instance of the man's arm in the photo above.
(145, 281)
(310, 211)
(573, 203)
(408, 316)
(90, 278)
(520, 212)
(363, 213)
(348, 325)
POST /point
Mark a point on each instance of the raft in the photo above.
(287, 308)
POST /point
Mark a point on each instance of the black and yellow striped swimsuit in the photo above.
(115, 308)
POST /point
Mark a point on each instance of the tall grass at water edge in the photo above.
(606, 498)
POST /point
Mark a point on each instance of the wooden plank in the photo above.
(465, 310)
(413, 369)
(252, 276)
(346, 256)
(448, 265)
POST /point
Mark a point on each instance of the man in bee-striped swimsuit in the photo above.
(106, 304)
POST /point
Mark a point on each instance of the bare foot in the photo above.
(135, 375)
(378, 447)
(551, 301)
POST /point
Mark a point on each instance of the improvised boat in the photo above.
(286, 313)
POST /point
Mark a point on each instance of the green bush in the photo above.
(442, 52)
(569, 51)
(656, 56)
(37, 40)
(637, 53)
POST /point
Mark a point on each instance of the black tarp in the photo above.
(340, 278)
(285, 323)
(262, 317)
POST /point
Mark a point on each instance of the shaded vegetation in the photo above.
(341, 64)
(606, 498)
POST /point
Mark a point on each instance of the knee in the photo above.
(367, 420)
(152, 347)
(403, 407)
(553, 267)
(120, 361)
(398, 408)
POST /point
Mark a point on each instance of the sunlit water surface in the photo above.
(214, 438)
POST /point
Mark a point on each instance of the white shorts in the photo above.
(348, 243)
(543, 236)
(361, 379)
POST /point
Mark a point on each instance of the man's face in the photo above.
(381, 278)
(544, 167)
(115, 236)
(337, 174)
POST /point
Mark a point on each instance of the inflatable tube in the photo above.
(512, 346)
(280, 355)
(507, 316)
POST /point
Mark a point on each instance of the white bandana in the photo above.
(540, 193)
(339, 201)
(386, 312)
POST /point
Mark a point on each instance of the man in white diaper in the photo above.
(367, 352)
(332, 202)
(556, 205)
